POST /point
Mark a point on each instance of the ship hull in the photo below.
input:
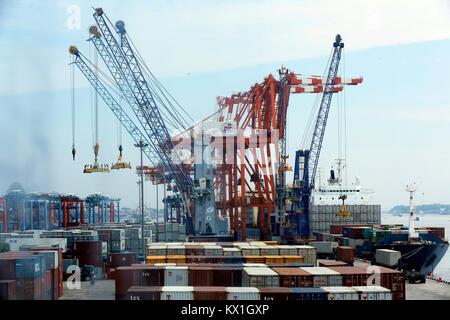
(422, 258)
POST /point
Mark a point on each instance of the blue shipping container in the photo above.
(309, 294)
(30, 266)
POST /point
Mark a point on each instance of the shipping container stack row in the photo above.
(252, 293)
(253, 275)
(359, 235)
(230, 253)
(32, 274)
(323, 216)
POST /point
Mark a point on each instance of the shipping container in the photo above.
(254, 259)
(293, 277)
(309, 294)
(176, 259)
(144, 293)
(231, 252)
(176, 276)
(156, 259)
(341, 293)
(157, 250)
(276, 293)
(126, 277)
(293, 259)
(176, 251)
(260, 277)
(227, 276)
(201, 276)
(177, 293)
(273, 259)
(323, 277)
(393, 280)
(150, 276)
(242, 293)
(121, 259)
(352, 276)
(29, 288)
(345, 254)
(373, 293)
(7, 289)
(210, 293)
(332, 263)
(7, 268)
(388, 258)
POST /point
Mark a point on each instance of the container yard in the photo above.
(240, 222)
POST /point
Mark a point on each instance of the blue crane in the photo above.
(306, 161)
(126, 68)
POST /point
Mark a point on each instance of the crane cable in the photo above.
(72, 93)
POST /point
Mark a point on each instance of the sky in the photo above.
(398, 119)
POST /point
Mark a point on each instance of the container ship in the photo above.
(421, 249)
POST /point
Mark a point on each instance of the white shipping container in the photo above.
(387, 257)
(16, 243)
(286, 250)
(250, 251)
(324, 246)
(175, 276)
(242, 293)
(177, 293)
(341, 293)
(231, 252)
(175, 250)
(157, 251)
(323, 276)
(373, 293)
(269, 251)
(260, 277)
(213, 251)
(254, 265)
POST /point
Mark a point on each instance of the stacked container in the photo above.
(323, 277)
(260, 277)
(373, 293)
(293, 277)
(239, 293)
(177, 293)
(341, 293)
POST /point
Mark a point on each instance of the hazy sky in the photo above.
(398, 120)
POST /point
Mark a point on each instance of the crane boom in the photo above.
(127, 62)
(322, 116)
(115, 107)
(306, 161)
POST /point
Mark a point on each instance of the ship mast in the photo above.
(412, 220)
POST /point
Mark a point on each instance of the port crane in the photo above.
(306, 161)
(126, 68)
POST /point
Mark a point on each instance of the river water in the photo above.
(427, 220)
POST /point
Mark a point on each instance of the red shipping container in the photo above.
(276, 293)
(126, 277)
(332, 263)
(293, 277)
(7, 289)
(150, 276)
(210, 293)
(200, 276)
(352, 276)
(144, 293)
(227, 276)
(438, 231)
(7, 268)
(345, 254)
(29, 288)
(393, 280)
(121, 259)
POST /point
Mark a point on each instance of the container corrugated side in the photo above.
(242, 293)
(373, 293)
(177, 293)
(341, 293)
(176, 276)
